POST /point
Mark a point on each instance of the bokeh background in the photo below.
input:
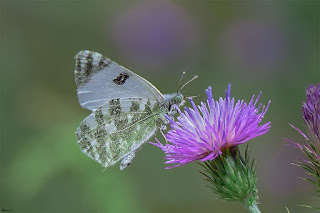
(269, 46)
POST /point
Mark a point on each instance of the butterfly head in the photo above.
(178, 99)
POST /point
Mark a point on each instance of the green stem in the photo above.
(254, 208)
(251, 206)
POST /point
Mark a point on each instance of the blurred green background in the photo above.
(269, 46)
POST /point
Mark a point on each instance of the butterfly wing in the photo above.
(99, 80)
(118, 128)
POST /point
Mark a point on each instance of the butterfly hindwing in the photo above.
(99, 80)
(118, 128)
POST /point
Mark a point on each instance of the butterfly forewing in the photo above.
(99, 80)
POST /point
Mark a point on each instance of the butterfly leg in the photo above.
(163, 126)
(127, 160)
(163, 135)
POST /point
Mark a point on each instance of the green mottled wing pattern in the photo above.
(118, 128)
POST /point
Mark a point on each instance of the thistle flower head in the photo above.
(311, 115)
(311, 147)
(206, 131)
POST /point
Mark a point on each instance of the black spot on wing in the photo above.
(121, 78)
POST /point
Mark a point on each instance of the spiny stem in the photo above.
(251, 206)
(254, 208)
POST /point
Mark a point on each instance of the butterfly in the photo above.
(126, 109)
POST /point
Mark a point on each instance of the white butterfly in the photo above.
(126, 109)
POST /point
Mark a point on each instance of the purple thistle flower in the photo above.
(311, 147)
(311, 116)
(206, 131)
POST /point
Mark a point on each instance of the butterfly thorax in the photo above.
(169, 100)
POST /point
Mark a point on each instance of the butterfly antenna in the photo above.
(194, 78)
(182, 75)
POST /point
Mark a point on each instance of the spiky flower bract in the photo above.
(233, 178)
(206, 131)
(311, 146)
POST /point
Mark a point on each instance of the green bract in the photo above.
(232, 177)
